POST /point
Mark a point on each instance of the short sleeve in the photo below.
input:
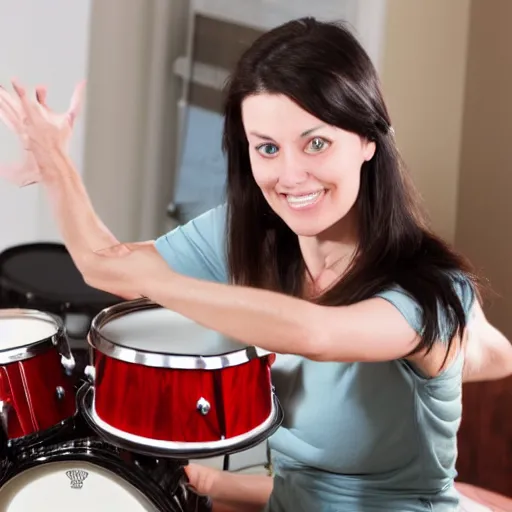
(406, 304)
(412, 312)
(198, 249)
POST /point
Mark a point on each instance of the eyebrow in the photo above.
(303, 134)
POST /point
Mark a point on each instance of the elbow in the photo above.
(84, 265)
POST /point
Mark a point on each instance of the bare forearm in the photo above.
(80, 227)
(287, 325)
(256, 317)
(234, 492)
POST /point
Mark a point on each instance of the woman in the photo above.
(322, 255)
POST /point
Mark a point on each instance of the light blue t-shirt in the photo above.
(360, 437)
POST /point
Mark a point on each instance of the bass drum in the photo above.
(86, 475)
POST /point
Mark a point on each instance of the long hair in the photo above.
(323, 69)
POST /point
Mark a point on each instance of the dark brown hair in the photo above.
(322, 67)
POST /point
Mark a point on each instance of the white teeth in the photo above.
(305, 200)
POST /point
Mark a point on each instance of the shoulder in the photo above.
(409, 305)
(435, 360)
(198, 248)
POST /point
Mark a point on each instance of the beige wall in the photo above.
(447, 76)
(484, 213)
(423, 73)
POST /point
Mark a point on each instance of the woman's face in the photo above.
(309, 172)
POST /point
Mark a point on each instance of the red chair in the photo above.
(485, 445)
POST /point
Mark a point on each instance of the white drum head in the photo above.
(164, 331)
(19, 331)
(71, 485)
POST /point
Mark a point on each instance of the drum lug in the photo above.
(60, 392)
(203, 406)
(4, 415)
(68, 363)
(90, 373)
(66, 360)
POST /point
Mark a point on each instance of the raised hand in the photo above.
(42, 132)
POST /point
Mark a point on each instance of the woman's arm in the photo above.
(230, 491)
(79, 225)
(488, 352)
(372, 330)
(233, 492)
(45, 135)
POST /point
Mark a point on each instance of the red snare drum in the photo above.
(166, 386)
(36, 390)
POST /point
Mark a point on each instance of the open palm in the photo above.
(40, 131)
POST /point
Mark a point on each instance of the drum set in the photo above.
(114, 433)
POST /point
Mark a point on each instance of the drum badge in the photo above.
(77, 477)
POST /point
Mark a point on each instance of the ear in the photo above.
(369, 148)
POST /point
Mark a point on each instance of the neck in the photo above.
(331, 248)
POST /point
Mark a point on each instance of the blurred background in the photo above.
(148, 142)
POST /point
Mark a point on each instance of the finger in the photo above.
(76, 103)
(11, 99)
(8, 119)
(28, 108)
(41, 94)
(10, 107)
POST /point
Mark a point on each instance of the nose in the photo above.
(294, 170)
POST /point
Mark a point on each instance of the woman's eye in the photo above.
(317, 145)
(267, 149)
